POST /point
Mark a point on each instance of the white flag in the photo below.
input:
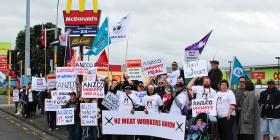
(63, 39)
(119, 32)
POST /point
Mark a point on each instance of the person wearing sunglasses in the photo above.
(160, 88)
(269, 102)
(239, 93)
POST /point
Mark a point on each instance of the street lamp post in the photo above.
(278, 58)
(27, 39)
(55, 36)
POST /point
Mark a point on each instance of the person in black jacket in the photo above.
(269, 102)
(215, 74)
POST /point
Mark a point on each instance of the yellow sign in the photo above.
(82, 6)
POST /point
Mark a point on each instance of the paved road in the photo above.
(13, 129)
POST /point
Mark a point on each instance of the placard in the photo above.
(134, 74)
(38, 84)
(49, 105)
(66, 86)
(88, 114)
(93, 89)
(65, 74)
(85, 67)
(172, 78)
(195, 69)
(204, 106)
(111, 101)
(51, 81)
(65, 116)
(191, 55)
(30, 96)
(161, 125)
(15, 95)
(154, 67)
(60, 97)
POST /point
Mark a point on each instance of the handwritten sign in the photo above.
(82, 67)
(172, 78)
(65, 74)
(65, 116)
(191, 55)
(60, 97)
(15, 95)
(163, 125)
(204, 106)
(140, 95)
(88, 114)
(111, 101)
(30, 96)
(68, 86)
(195, 69)
(93, 89)
(38, 84)
(154, 67)
(49, 105)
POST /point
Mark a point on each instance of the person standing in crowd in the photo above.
(226, 103)
(160, 88)
(128, 102)
(246, 127)
(51, 115)
(179, 100)
(202, 92)
(114, 86)
(239, 93)
(25, 103)
(74, 130)
(42, 96)
(269, 102)
(17, 88)
(215, 74)
(151, 103)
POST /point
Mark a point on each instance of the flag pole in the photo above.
(126, 50)
(108, 51)
(45, 51)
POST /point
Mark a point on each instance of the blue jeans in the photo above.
(74, 131)
(89, 133)
(270, 127)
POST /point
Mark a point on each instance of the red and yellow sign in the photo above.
(133, 63)
(258, 75)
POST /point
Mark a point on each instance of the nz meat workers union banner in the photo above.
(204, 106)
(92, 89)
(161, 125)
(195, 69)
(154, 67)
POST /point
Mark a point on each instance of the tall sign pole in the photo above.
(55, 36)
(27, 38)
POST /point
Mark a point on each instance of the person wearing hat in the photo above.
(215, 74)
(269, 102)
(179, 100)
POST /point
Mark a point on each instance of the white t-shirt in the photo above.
(203, 93)
(183, 99)
(152, 103)
(30, 96)
(225, 100)
(125, 102)
(172, 77)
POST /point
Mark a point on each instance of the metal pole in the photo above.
(27, 37)
(45, 52)
(20, 72)
(9, 82)
(278, 72)
(55, 36)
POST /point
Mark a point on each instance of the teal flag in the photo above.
(101, 40)
(237, 71)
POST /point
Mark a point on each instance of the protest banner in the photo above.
(88, 114)
(60, 97)
(30, 96)
(111, 101)
(66, 86)
(140, 94)
(92, 89)
(65, 74)
(38, 84)
(65, 116)
(51, 81)
(204, 106)
(172, 78)
(154, 67)
(134, 69)
(91, 74)
(15, 95)
(49, 105)
(195, 69)
(161, 125)
(83, 67)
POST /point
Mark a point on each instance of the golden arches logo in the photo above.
(81, 6)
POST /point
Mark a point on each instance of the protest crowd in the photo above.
(164, 106)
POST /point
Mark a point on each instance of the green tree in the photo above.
(37, 54)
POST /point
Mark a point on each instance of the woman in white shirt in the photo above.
(128, 101)
(226, 103)
(152, 102)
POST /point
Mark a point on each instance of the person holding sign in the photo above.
(179, 100)
(74, 130)
(226, 103)
(51, 115)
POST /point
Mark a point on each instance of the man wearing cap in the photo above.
(179, 99)
(215, 74)
(269, 102)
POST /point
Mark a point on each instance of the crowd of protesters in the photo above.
(235, 108)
